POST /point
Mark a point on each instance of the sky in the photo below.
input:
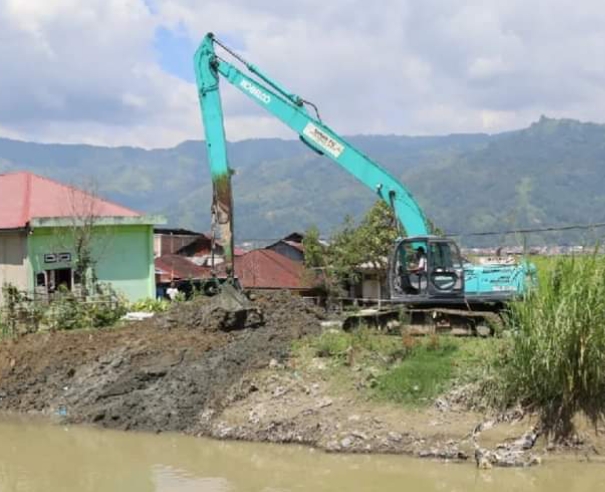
(120, 72)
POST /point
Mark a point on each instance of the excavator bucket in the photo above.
(232, 298)
(236, 310)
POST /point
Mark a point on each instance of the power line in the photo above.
(595, 225)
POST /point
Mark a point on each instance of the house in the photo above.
(268, 270)
(189, 265)
(372, 284)
(41, 223)
(169, 241)
(259, 269)
(199, 251)
(170, 268)
(372, 281)
(290, 246)
(182, 271)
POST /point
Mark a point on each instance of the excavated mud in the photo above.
(201, 370)
(157, 375)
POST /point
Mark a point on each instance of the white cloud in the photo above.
(86, 70)
(77, 71)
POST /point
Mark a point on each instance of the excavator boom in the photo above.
(441, 282)
(292, 111)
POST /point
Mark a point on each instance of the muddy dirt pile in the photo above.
(158, 375)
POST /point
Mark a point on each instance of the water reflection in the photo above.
(35, 456)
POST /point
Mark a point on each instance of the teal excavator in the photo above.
(446, 290)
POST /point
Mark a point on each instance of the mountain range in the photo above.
(551, 173)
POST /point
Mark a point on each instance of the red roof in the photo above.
(266, 269)
(176, 267)
(24, 196)
(239, 251)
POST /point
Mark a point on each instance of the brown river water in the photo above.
(37, 456)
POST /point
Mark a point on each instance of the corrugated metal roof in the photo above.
(266, 269)
(24, 196)
(199, 247)
(176, 267)
(256, 269)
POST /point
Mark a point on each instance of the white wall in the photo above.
(370, 287)
(13, 260)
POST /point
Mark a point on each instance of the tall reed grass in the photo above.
(556, 360)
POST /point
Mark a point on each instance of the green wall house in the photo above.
(48, 229)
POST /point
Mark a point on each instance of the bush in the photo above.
(65, 311)
(69, 312)
(556, 359)
(17, 311)
(150, 305)
(332, 344)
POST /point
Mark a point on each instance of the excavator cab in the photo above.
(426, 268)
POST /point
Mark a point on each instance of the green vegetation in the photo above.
(150, 305)
(425, 373)
(409, 370)
(556, 358)
(66, 311)
(351, 246)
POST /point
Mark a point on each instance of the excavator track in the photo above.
(427, 321)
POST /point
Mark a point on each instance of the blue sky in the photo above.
(152, 6)
(175, 48)
(175, 51)
(120, 71)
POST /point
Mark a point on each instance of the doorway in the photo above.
(59, 277)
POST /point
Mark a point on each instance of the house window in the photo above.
(41, 279)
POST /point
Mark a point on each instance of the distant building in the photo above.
(38, 219)
(170, 268)
(290, 246)
(199, 251)
(268, 270)
(372, 284)
(277, 267)
(169, 241)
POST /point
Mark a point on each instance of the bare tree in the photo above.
(84, 216)
(83, 236)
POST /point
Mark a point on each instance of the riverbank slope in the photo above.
(281, 380)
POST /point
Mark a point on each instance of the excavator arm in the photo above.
(292, 111)
(445, 281)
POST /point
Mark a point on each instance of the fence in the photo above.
(20, 314)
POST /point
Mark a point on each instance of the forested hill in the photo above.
(550, 173)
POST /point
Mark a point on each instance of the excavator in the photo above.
(445, 292)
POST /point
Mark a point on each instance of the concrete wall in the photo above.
(370, 287)
(13, 260)
(123, 255)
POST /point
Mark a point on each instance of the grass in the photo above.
(421, 376)
(432, 367)
(552, 360)
(410, 370)
(556, 360)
